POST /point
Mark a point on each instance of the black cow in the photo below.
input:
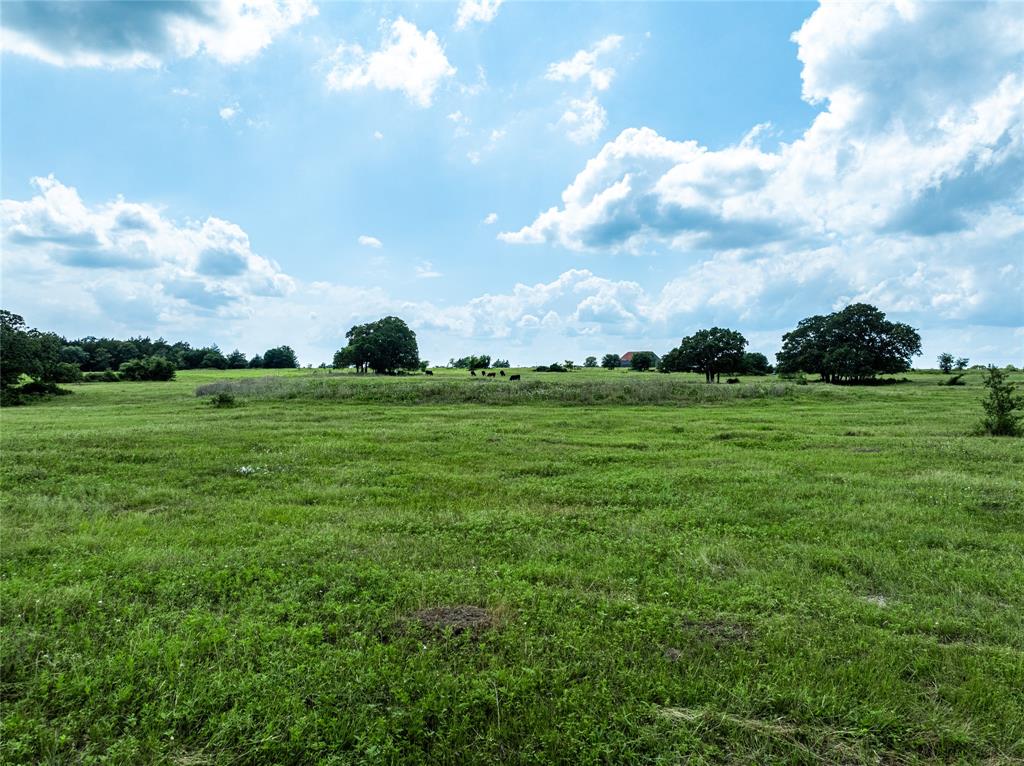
(427, 372)
(503, 373)
(472, 373)
(515, 377)
(733, 380)
(490, 375)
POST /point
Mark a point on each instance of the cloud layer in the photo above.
(906, 188)
(145, 34)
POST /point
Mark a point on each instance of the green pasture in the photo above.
(782, 574)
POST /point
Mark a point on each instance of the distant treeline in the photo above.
(46, 359)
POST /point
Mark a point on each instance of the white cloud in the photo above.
(584, 64)
(229, 112)
(368, 241)
(120, 249)
(919, 152)
(583, 120)
(124, 268)
(458, 117)
(378, 136)
(491, 218)
(482, 11)
(146, 34)
(181, 92)
(426, 270)
(408, 61)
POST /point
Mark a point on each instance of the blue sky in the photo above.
(536, 181)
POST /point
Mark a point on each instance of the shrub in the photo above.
(107, 376)
(999, 405)
(954, 381)
(222, 399)
(150, 368)
(66, 372)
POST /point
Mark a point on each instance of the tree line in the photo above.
(33, 361)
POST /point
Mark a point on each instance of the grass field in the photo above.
(759, 574)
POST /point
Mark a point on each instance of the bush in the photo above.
(954, 381)
(555, 367)
(150, 368)
(65, 372)
(107, 376)
(999, 405)
(223, 399)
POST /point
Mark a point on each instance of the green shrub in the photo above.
(150, 368)
(999, 404)
(107, 376)
(222, 399)
(954, 381)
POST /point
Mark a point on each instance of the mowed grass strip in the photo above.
(820, 577)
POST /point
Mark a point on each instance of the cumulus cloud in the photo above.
(585, 64)
(482, 11)
(129, 250)
(131, 35)
(909, 181)
(491, 218)
(229, 112)
(408, 61)
(583, 120)
(368, 241)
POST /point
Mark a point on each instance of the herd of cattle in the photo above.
(485, 374)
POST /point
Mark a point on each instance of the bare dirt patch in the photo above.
(718, 632)
(458, 620)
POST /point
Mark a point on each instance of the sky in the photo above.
(535, 181)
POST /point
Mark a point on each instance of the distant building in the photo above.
(626, 360)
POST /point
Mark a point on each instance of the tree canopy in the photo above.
(849, 346)
(611, 361)
(643, 361)
(282, 357)
(473, 362)
(385, 346)
(711, 351)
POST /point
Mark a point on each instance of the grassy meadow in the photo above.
(661, 572)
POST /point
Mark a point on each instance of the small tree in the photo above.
(710, 351)
(569, 364)
(590, 362)
(642, 361)
(999, 405)
(961, 363)
(282, 357)
(611, 361)
(237, 360)
(755, 363)
(256, 362)
(501, 364)
(946, 362)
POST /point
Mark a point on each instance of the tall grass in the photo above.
(660, 390)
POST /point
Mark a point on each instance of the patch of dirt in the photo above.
(672, 654)
(459, 619)
(718, 632)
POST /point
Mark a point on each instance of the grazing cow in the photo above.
(503, 373)
(427, 372)
(472, 373)
(515, 377)
(490, 375)
(733, 380)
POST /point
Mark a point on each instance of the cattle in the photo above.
(515, 377)
(733, 380)
(503, 373)
(472, 373)
(428, 372)
(490, 375)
